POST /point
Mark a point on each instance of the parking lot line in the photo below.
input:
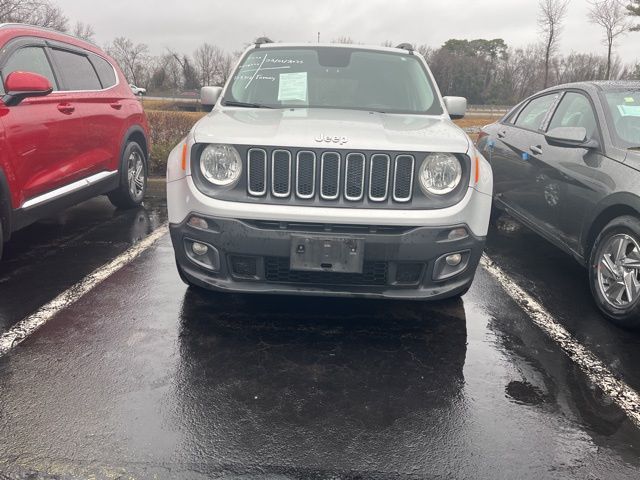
(30, 324)
(625, 397)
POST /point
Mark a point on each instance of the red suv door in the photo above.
(94, 108)
(41, 133)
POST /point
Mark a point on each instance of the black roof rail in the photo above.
(406, 46)
(262, 41)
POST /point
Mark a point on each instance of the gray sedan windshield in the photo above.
(333, 77)
(624, 110)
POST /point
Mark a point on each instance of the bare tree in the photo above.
(190, 79)
(633, 10)
(611, 15)
(344, 39)
(207, 59)
(225, 64)
(84, 31)
(552, 13)
(166, 74)
(426, 51)
(134, 59)
(35, 12)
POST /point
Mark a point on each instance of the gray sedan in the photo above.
(566, 163)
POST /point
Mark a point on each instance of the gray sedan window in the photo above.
(532, 116)
(624, 111)
(575, 110)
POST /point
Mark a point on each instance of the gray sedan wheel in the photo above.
(615, 271)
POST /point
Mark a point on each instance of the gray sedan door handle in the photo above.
(537, 150)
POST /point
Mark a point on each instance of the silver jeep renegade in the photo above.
(329, 170)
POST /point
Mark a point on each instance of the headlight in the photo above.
(440, 173)
(220, 164)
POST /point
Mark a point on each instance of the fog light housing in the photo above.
(198, 222)
(202, 254)
(451, 264)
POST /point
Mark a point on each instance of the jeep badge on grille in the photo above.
(329, 139)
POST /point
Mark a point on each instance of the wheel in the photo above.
(1, 239)
(614, 271)
(133, 178)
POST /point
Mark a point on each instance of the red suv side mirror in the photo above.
(21, 85)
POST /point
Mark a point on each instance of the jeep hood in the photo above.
(362, 130)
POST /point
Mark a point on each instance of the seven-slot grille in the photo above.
(330, 175)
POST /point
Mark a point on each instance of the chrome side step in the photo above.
(67, 189)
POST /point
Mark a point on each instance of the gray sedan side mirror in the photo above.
(209, 95)
(456, 106)
(569, 137)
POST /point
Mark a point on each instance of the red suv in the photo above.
(70, 127)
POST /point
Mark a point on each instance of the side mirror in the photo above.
(209, 95)
(569, 137)
(21, 85)
(456, 106)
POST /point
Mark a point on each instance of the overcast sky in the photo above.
(184, 24)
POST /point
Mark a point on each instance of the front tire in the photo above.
(133, 178)
(614, 272)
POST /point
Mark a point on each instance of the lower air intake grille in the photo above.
(277, 271)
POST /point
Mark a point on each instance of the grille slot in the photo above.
(257, 172)
(354, 177)
(305, 174)
(379, 177)
(403, 178)
(277, 271)
(329, 175)
(281, 173)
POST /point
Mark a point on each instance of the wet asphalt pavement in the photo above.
(144, 378)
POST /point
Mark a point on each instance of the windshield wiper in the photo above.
(231, 103)
(634, 148)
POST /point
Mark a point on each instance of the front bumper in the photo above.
(253, 256)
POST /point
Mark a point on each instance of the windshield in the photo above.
(624, 110)
(333, 77)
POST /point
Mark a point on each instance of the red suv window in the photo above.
(30, 59)
(77, 70)
(105, 71)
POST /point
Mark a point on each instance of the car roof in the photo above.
(598, 86)
(12, 30)
(376, 48)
